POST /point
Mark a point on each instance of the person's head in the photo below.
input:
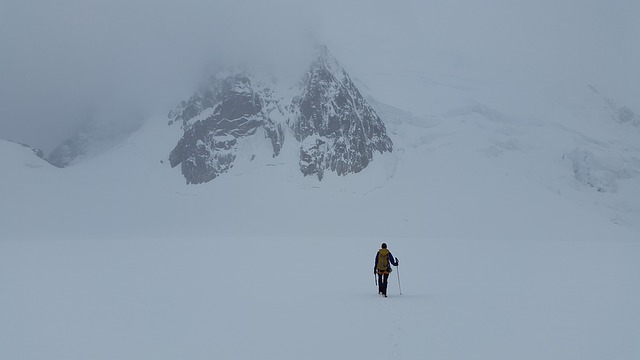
(384, 246)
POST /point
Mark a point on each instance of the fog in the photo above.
(67, 62)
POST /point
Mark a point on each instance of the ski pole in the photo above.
(398, 269)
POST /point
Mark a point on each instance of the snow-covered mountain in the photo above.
(468, 154)
(23, 154)
(516, 226)
(334, 126)
(91, 140)
(472, 163)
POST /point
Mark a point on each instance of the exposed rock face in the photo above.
(338, 129)
(335, 127)
(36, 151)
(68, 151)
(620, 114)
(91, 140)
(624, 115)
(214, 119)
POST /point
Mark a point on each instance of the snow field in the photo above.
(313, 298)
(504, 253)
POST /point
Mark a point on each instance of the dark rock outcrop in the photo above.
(620, 114)
(624, 115)
(68, 151)
(36, 151)
(339, 130)
(336, 128)
(213, 120)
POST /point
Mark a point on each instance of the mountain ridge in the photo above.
(336, 128)
(474, 163)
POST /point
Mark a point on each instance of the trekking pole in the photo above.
(398, 269)
(375, 279)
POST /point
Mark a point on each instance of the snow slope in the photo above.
(314, 298)
(506, 250)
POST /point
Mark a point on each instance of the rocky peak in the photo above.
(214, 119)
(335, 127)
(338, 129)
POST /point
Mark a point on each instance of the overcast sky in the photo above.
(66, 61)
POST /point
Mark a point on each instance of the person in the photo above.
(382, 268)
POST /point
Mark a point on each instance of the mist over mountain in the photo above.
(418, 72)
(492, 145)
(264, 147)
(65, 64)
(62, 61)
(95, 137)
(337, 130)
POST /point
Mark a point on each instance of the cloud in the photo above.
(66, 61)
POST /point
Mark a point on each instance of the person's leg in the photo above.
(384, 286)
(379, 283)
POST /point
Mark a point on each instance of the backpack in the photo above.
(383, 261)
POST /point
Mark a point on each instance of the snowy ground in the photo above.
(516, 218)
(315, 298)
